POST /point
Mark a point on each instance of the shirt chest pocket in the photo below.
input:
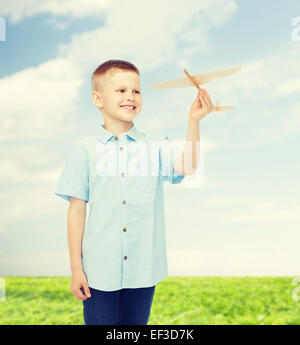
(142, 189)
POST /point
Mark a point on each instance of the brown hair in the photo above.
(110, 66)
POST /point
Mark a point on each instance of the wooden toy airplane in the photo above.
(198, 79)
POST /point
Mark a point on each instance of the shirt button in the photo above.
(123, 174)
(124, 229)
(124, 202)
(116, 137)
(125, 257)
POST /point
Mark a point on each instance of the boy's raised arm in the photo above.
(187, 163)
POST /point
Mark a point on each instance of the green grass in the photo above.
(177, 301)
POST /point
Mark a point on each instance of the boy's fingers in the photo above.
(79, 294)
(86, 289)
(198, 98)
(81, 290)
(207, 98)
(202, 98)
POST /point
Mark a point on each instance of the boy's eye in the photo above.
(135, 90)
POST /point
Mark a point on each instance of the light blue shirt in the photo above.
(122, 180)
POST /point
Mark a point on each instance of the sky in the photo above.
(240, 214)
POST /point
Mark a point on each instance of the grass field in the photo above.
(177, 301)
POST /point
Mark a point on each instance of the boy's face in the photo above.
(116, 90)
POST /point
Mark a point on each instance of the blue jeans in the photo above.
(119, 307)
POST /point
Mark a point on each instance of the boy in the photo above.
(120, 256)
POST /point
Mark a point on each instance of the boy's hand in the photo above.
(79, 286)
(201, 106)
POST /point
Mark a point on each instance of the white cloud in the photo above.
(264, 80)
(265, 95)
(38, 98)
(19, 10)
(35, 104)
(148, 32)
(287, 87)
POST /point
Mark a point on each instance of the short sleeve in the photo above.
(169, 151)
(74, 179)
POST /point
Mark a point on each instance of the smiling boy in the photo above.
(119, 255)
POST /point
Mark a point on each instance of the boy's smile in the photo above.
(129, 107)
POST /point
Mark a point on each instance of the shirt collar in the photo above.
(104, 135)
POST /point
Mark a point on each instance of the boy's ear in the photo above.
(97, 99)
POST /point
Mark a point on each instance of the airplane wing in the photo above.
(200, 79)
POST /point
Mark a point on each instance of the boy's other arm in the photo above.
(76, 225)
